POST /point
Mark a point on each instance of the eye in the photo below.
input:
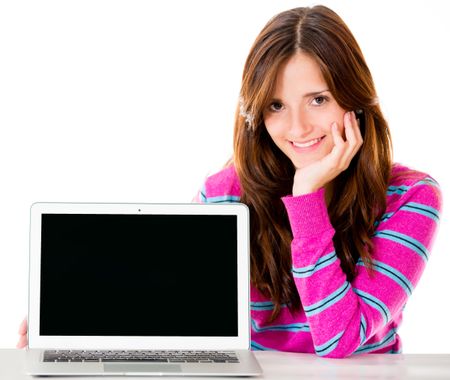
(275, 107)
(319, 100)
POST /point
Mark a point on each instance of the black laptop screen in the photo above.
(139, 275)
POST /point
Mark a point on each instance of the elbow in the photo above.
(339, 350)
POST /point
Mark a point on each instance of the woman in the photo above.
(339, 234)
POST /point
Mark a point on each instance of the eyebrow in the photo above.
(309, 94)
(314, 93)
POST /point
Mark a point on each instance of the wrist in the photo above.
(308, 214)
(303, 190)
(304, 185)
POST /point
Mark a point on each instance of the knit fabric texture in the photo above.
(338, 318)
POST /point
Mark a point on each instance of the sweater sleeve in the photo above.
(342, 315)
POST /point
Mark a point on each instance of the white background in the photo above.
(133, 101)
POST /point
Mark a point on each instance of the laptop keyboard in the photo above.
(141, 356)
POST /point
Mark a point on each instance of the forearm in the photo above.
(349, 314)
(332, 309)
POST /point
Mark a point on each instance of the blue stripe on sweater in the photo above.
(404, 188)
(375, 303)
(404, 240)
(362, 330)
(264, 305)
(394, 351)
(393, 274)
(388, 338)
(329, 346)
(385, 217)
(221, 198)
(203, 198)
(259, 347)
(292, 327)
(397, 189)
(309, 270)
(419, 208)
(328, 301)
(427, 181)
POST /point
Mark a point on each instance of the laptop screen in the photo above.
(138, 275)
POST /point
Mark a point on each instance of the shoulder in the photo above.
(411, 186)
(222, 186)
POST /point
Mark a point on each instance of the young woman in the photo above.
(339, 234)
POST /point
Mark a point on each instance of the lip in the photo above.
(307, 148)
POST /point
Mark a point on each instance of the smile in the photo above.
(307, 144)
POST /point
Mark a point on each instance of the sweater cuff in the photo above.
(308, 214)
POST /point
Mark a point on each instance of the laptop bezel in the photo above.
(242, 341)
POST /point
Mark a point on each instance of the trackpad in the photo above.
(140, 367)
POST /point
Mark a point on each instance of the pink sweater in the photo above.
(339, 318)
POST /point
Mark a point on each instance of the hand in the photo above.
(23, 339)
(318, 174)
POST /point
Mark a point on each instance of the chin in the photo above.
(301, 165)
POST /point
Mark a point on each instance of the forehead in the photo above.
(299, 75)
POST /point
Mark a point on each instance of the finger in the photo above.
(353, 136)
(337, 138)
(351, 125)
(353, 130)
(20, 343)
(336, 154)
(23, 342)
(344, 154)
(23, 327)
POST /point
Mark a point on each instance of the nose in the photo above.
(299, 124)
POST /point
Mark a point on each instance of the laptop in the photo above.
(139, 289)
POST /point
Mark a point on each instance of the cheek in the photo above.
(274, 128)
(326, 119)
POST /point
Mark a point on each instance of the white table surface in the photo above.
(283, 366)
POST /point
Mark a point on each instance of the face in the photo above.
(301, 112)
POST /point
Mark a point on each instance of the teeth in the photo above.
(306, 144)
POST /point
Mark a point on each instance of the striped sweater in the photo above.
(338, 318)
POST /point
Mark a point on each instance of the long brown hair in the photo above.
(358, 196)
